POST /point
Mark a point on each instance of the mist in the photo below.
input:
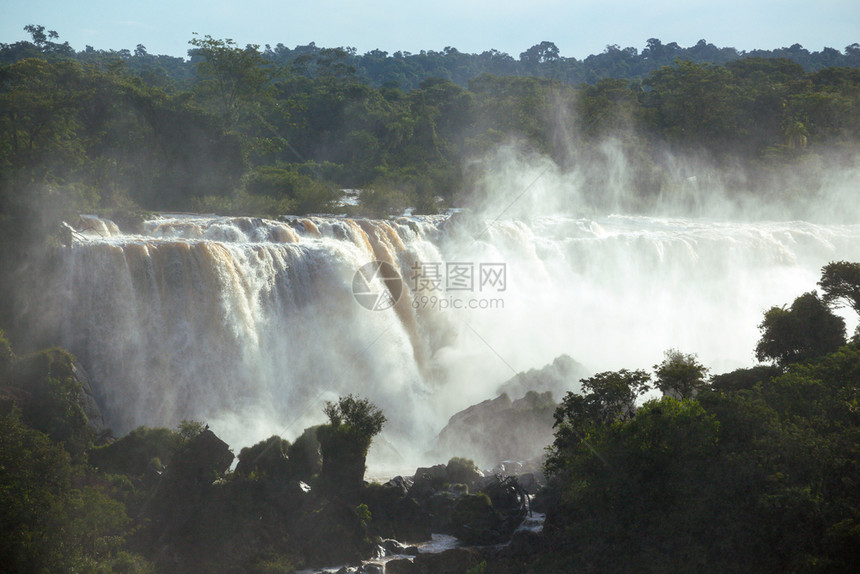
(611, 253)
(251, 325)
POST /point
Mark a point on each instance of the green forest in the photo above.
(243, 130)
(755, 470)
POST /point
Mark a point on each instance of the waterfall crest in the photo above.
(251, 324)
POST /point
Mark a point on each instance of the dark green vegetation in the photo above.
(58, 513)
(406, 70)
(756, 470)
(243, 130)
(344, 442)
(161, 500)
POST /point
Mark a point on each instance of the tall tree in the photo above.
(804, 331)
(680, 375)
(231, 77)
(840, 281)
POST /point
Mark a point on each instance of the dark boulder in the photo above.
(266, 458)
(499, 429)
(399, 484)
(395, 515)
(204, 458)
(474, 521)
(333, 533)
(427, 481)
(393, 547)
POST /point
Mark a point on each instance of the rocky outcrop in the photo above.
(559, 377)
(204, 459)
(88, 399)
(396, 514)
(500, 429)
(511, 429)
(202, 519)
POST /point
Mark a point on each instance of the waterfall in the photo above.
(251, 324)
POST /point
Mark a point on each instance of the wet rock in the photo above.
(396, 515)
(400, 484)
(400, 566)
(508, 468)
(203, 459)
(499, 429)
(475, 522)
(528, 482)
(436, 474)
(428, 480)
(394, 548)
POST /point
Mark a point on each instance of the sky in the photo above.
(578, 27)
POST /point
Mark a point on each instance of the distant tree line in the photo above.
(245, 130)
(406, 70)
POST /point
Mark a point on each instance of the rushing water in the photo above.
(250, 324)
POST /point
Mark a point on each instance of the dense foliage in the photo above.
(757, 472)
(73, 499)
(344, 442)
(236, 129)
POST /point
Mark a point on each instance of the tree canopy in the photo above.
(806, 330)
(756, 472)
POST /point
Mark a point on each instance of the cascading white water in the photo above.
(250, 325)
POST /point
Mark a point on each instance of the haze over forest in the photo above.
(291, 126)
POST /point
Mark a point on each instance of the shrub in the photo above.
(267, 458)
(461, 470)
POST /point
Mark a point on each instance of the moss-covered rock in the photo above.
(267, 458)
(462, 470)
(305, 455)
(141, 453)
(474, 520)
(344, 453)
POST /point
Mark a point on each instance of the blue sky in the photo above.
(578, 27)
